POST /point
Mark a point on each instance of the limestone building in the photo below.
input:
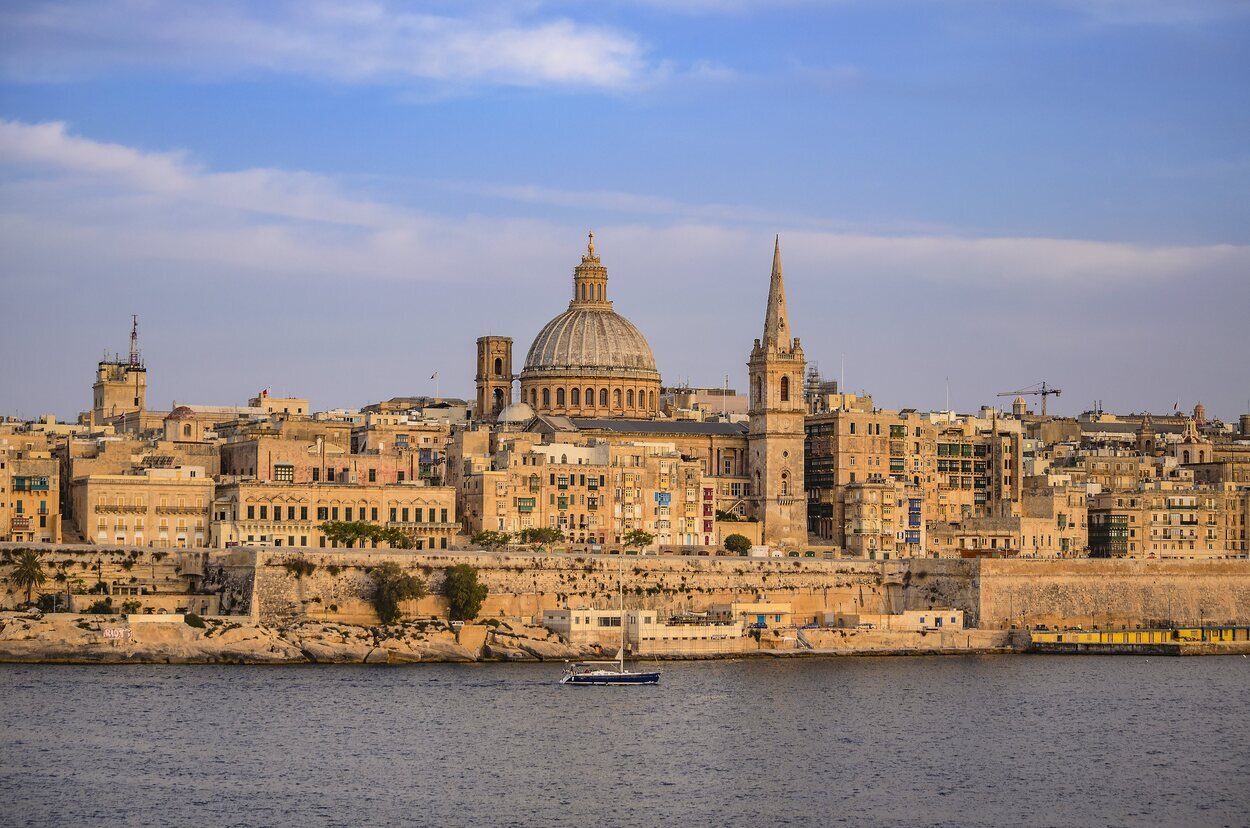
(591, 376)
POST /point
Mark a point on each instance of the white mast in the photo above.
(620, 587)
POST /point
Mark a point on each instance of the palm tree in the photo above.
(27, 572)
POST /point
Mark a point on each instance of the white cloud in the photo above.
(341, 41)
(71, 203)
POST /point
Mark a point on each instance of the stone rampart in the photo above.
(334, 585)
(1113, 592)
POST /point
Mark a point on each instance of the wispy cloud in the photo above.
(340, 41)
(108, 202)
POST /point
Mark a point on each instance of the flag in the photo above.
(434, 375)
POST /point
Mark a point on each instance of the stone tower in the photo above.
(494, 375)
(776, 432)
(121, 384)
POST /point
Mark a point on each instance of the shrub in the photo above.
(393, 585)
(464, 592)
(131, 607)
(193, 620)
(299, 567)
(738, 544)
(103, 607)
(333, 569)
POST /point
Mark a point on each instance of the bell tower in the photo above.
(494, 375)
(776, 434)
(121, 384)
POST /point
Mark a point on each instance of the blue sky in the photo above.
(335, 199)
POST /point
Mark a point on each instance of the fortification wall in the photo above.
(1113, 592)
(993, 593)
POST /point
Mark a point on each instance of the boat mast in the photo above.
(620, 587)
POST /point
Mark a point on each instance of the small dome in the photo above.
(182, 412)
(518, 413)
(1018, 401)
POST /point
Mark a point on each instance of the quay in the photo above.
(1163, 641)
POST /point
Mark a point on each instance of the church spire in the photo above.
(777, 320)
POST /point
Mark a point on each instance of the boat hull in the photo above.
(617, 678)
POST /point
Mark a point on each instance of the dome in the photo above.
(518, 412)
(591, 339)
(590, 361)
(182, 412)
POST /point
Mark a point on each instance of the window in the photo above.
(373, 514)
(329, 475)
(400, 477)
(284, 473)
(616, 398)
(303, 513)
(251, 511)
(603, 398)
(629, 398)
(546, 398)
(443, 519)
(785, 389)
(316, 475)
(290, 513)
(334, 513)
(322, 513)
(405, 514)
(560, 396)
(373, 475)
(498, 366)
(347, 513)
(575, 396)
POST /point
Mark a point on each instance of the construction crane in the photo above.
(1040, 389)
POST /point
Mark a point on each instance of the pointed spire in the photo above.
(777, 320)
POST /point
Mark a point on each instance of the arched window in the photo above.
(498, 402)
(1202, 456)
(546, 398)
(785, 484)
(590, 398)
(560, 396)
(651, 400)
(785, 389)
(616, 398)
(533, 398)
(603, 398)
(629, 398)
(757, 390)
(498, 366)
(575, 396)
(599, 291)
(564, 459)
(186, 430)
(1186, 460)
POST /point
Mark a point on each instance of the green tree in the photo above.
(542, 535)
(738, 544)
(350, 533)
(464, 592)
(28, 572)
(392, 585)
(490, 539)
(726, 517)
(638, 539)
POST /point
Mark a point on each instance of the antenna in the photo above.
(134, 341)
(948, 393)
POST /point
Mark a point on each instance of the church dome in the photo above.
(182, 412)
(590, 361)
(594, 339)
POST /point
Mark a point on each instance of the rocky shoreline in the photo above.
(81, 639)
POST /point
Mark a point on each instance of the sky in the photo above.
(335, 199)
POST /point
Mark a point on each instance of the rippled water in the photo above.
(857, 741)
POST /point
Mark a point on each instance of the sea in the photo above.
(950, 741)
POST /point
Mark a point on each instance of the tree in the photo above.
(738, 544)
(392, 585)
(27, 572)
(464, 592)
(637, 539)
(491, 539)
(542, 535)
(726, 517)
(349, 533)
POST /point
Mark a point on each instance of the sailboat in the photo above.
(610, 672)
